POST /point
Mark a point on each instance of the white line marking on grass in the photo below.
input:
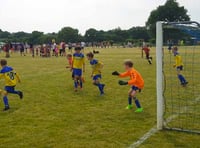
(182, 110)
(154, 129)
(144, 138)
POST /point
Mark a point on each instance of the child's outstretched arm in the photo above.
(122, 82)
(130, 82)
(125, 74)
(115, 73)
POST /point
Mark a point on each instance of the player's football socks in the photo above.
(139, 110)
(130, 106)
(81, 84)
(21, 95)
(137, 103)
(103, 85)
(182, 79)
(5, 101)
(129, 100)
(102, 89)
(75, 84)
(6, 108)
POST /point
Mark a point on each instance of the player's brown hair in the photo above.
(77, 48)
(90, 54)
(3, 62)
(175, 48)
(128, 63)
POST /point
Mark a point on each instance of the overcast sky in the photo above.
(52, 15)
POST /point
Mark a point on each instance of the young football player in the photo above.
(78, 67)
(136, 82)
(96, 72)
(179, 66)
(146, 49)
(11, 78)
(70, 62)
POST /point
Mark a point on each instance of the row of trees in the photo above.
(171, 11)
(69, 34)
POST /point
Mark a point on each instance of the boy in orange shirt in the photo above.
(136, 82)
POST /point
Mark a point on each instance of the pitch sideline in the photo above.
(146, 136)
(153, 130)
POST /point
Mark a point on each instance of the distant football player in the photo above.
(146, 49)
(136, 82)
(11, 78)
(179, 66)
(78, 67)
(96, 72)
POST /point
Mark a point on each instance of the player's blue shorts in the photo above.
(77, 72)
(180, 68)
(10, 89)
(96, 77)
(135, 88)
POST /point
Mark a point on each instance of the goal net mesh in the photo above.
(182, 104)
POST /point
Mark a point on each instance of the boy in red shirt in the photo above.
(147, 53)
(136, 82)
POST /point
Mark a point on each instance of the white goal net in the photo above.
(178, 104)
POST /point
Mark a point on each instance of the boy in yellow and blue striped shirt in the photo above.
(96, 72)
(78, 67)
(11, 78)
(179, 66)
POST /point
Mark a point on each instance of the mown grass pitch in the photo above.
(52, 115)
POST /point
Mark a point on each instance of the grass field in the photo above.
(52, 115)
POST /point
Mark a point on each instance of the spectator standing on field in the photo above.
(21, 49)
(62, 49)
(32, 50)
(7, 49)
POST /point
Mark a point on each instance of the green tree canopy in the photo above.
(171, 11)
(35, 37)
(91, 35)
(68, 34)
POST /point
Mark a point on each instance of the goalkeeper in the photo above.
(136, 82)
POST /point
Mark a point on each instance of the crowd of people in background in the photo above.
(50, 49)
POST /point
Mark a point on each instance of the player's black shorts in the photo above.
(179, 68)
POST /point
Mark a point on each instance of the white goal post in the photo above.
(160, 68)
(159, 74)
